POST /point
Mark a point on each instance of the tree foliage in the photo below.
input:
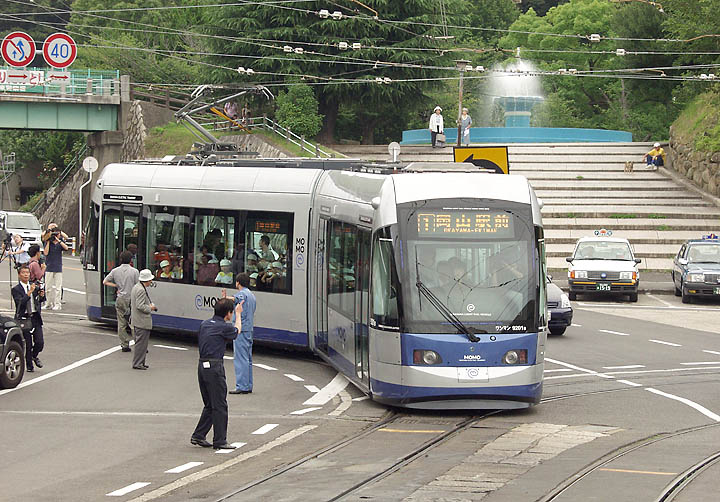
(297, 109)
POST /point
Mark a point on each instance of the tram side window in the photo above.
(167, 228)
(385, 313)
(214, 237)
(341, 246)
(89, 240)
(267, 249)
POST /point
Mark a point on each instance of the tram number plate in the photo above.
(602, 287)
(716, 291)
(474, 374)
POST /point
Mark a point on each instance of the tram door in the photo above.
(362, 307)
(120, 231)
(321, 288)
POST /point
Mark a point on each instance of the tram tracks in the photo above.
(681, 482)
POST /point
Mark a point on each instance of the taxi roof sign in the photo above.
(603, 233)
(710, 236)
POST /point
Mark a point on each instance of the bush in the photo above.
(297, 110)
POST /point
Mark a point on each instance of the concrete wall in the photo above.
(255, 143)
(63, 210)
(702, 168)
(520, 135)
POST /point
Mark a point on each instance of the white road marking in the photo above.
(127, 489)
(631, 384)
(229, 358)
(557, 371)
(628, 367)
(660, 371)
(294, 378)
(712, 352)
(329, 391)
(183, 468)
(236, 445)
(664, 302)
(345, 403)
(574, 375)
(197, 476)
(265, 428)
(576, 325)
(62, 370)
(361, 398)
(645, 307)
(577, 368)
(613, 332)
(303, 411)
(170, 347)
(692, 404)
(74, 291)
(312, 388)
(665, 343)
(703, 362)
(264, 366)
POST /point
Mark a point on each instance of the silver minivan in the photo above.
(25, 224)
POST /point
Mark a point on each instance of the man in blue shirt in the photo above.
(242, 346)
(213, 336)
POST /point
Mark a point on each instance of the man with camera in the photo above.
(54, 240)
(28, 299)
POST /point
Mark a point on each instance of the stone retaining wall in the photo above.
(702, 168)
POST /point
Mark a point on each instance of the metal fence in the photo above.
(45, 81)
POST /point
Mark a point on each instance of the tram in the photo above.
(424, 284)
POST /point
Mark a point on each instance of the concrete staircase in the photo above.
(584, 187)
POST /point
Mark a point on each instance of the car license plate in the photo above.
(717, 291)
(602, 287)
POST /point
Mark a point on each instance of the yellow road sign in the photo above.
(487, 157)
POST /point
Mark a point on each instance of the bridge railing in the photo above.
(44, 81)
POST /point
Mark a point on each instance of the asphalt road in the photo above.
(86, 427)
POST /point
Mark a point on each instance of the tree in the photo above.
(297, 109)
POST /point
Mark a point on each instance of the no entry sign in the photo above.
(59, 50)
(18, 49)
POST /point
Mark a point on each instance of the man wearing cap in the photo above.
(656, 156)
(124, 278)
(436, 125)
(242, 346)
(141, 308)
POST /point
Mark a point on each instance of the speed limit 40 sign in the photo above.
(59, 50)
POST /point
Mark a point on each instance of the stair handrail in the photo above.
(72, 166)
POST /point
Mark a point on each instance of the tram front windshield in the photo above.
(477, 259)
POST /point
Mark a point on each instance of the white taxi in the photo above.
(603, 264)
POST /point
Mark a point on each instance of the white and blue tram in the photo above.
(424, 285)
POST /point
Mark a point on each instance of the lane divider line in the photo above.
(613, 332)
(294, 378)
(665, 343)
(576, 368)
(236, 445)
(627, 367)
(264, 366)
(631, 384)
(170, 347)
(557, 370)
(265, 429)
(641, 372)
(692, 404)
(329, 391)
(183, 468)
(75, 291)
(361, 398)
(712, 352)
(127, 489)
(630, 471)
(704, 362)
(312, 388)
(303, 411)
(209, 471)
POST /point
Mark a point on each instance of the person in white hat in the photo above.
(165, 271)
(656, 156)
(436, 125)
(225, 276)
(141, 308)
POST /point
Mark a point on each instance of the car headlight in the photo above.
(578, 274)
(627, 275)
(564, 301)
(696, 278)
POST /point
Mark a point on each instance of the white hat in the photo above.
(164, 263)
(277, 264)
(212, 261)
(656, 145)
(437, 108)
(225, 263)
(349, 277)
(252, 257)
(269, 266)
(253, 275)
(146, 275)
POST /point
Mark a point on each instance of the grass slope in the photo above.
(699, 123)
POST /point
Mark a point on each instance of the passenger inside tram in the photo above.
(225, 276)
(207, 271)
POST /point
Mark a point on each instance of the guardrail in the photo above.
(270, 125)
(46, 81)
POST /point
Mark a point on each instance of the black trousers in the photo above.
(213, 389)
(34, 341)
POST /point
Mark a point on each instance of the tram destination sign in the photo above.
(465, 224)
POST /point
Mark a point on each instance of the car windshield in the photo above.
(603, 250)
(24, 221)
(704, 253)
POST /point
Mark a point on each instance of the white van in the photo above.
(25, 224)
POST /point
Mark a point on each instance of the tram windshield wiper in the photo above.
(446, 313)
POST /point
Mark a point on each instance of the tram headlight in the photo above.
(696, 278)
(518, 356)
(429, 357)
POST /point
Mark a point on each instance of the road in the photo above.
(86, 427)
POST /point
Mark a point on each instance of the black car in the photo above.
(696, 269)
(559, 308)
(12, 350)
